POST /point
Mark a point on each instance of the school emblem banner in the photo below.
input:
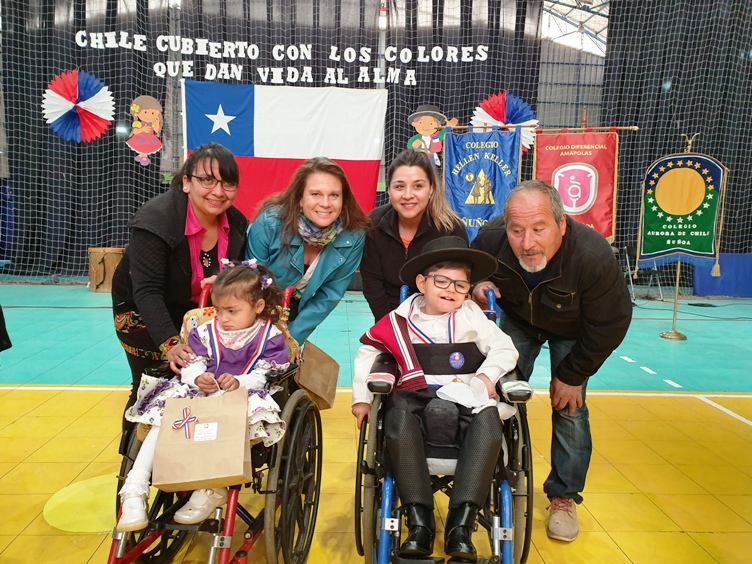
(480, 169)
(582, 167)
(681, 197)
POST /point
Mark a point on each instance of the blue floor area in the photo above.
(63, 335)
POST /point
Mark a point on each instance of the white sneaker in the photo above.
(562, 520)
(201, 505)
(133, 516)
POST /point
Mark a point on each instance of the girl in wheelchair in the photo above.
(241, 345)
(446, 392)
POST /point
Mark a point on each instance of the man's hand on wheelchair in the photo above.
(479, 293)
(563, 395)
(361, 411)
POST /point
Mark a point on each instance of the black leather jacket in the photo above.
(583, 296)
(158, 284)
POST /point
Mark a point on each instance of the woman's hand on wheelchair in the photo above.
(361, 411)
(209, 280)
(179, 357)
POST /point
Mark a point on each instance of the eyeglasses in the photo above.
(443, 282)
(209, 183)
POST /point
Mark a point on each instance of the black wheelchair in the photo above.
(287, 473)
(508, 512)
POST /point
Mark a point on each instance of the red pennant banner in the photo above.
(582, 167)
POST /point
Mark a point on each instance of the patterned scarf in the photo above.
(316, 237)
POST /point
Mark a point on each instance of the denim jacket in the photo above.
(329, 281)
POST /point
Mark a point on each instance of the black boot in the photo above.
(421, 531)
(458, 536)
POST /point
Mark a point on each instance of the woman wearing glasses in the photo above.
(177, 240)
(311, 237)
(417, 213)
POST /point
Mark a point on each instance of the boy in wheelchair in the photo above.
(450, 357)
(240, 346)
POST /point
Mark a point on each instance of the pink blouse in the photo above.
(194, 232)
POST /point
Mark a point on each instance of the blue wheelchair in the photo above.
(508, 512)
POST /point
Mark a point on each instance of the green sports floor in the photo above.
(670, 480)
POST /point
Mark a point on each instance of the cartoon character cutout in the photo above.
(428, 121)
(147, 123)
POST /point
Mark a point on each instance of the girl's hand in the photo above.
(489, 385)
(179, 357)
(206, 383)
(361, 411)
(228, 382)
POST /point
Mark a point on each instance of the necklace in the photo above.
(206, 259)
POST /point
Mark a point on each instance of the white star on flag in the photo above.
(221, 121)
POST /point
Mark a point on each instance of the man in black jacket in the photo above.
(557, 282)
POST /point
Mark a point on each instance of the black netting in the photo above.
(668, 66)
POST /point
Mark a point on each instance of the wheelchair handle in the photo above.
(491, 298)
(203, 297)
(404, 293)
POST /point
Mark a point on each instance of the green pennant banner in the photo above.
(681, 199)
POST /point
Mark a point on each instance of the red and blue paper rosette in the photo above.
(505, 109)
(78, 106)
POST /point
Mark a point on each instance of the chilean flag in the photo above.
(272, 130)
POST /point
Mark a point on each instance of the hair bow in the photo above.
(251, 263)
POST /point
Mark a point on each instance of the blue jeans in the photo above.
(571, 443)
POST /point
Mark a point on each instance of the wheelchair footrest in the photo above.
(396, 559)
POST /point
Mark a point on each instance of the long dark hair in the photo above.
(438, 207)
(353, 218)
(228, 168)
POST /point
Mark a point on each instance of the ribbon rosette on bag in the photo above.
(185, 422)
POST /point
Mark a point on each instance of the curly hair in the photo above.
(249, 283)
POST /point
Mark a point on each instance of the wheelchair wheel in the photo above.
(522, 496)
(366, 489)
(360, 485)
(294, 483)
(519, 474)
(165, 547)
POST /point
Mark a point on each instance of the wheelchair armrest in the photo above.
(380, 387)
(384, 372)
(277, 377)
(514, 388)
(161, 371)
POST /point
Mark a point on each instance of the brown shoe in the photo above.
(562, 520)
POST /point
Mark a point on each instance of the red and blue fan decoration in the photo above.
(505, 109)
(78, 106)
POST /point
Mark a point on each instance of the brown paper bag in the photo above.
(317, 374)
(215, 453)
